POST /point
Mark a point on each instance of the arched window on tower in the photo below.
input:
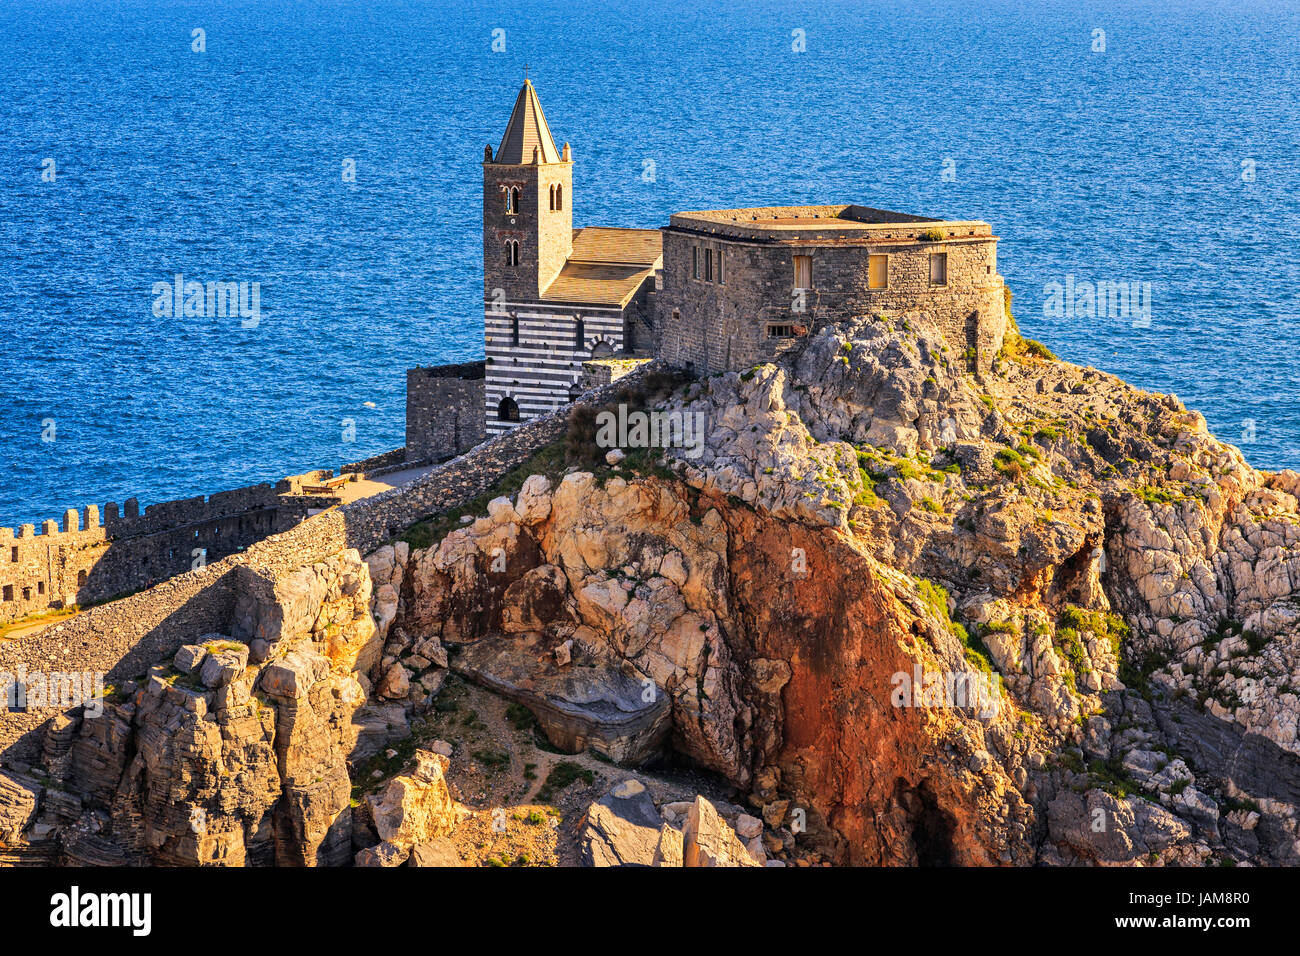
(508, 410)
(512, 200)
(559, 196)
(579, 333)
(552, 191)
(512, 252)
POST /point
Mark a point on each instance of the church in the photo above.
(713, 291)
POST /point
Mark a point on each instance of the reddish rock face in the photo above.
(774, 645)
(877, 775)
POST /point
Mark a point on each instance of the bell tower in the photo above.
(527, 208)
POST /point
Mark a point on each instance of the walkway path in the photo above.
(355, 490)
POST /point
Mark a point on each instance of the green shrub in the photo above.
(562, 775)
(1010, 463)
(520, 717)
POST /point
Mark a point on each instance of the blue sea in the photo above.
(1123, 141)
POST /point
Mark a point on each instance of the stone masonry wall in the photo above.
(598, 372)
(545, 236)
(123, 638)
(718, 326)
(641, 322)
(444, 411)
(85, 560)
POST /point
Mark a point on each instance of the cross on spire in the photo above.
(525, 72)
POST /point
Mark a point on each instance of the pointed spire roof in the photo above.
(527, 130)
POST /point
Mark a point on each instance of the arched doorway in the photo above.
(508, 410)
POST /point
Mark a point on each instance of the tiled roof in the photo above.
(527, 129)
(607, 266)
(643, 247)
(585, 283)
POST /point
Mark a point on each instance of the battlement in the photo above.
(91, 556)
(162, 516)
(123, 638)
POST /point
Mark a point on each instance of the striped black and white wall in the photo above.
(535, 353)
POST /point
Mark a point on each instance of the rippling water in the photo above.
(1130, 164)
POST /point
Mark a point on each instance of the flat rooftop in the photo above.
(823, 222)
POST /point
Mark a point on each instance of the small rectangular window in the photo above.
(939, 268)
(15, 554)
(695, 261)
(40, 587)
(27, 594)
(780, 331)
(708, 265)
(722, 278)
(9, 592)
(878, 272)
(803, 272)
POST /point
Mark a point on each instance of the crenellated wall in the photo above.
(89, 558)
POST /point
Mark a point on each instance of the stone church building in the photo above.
(712, 291)
(553, 296)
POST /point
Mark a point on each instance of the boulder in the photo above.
(396, 683)
(18, 798)
(438, 852)
(385, 854)
(707, 840)
(533, 504)
(225, 662)
(621, 828)
(602, 705)
(189, 657)
(748, 827)
(293, 675)
(668, 851)
(415, 807)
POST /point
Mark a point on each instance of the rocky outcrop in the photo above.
(590, 701)
(234, 753)
(626, 581)
(625, 828)
(621, 828)
(707, 840)
(908, 616)
(868, 517)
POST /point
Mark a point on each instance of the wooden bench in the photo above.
(327, 486)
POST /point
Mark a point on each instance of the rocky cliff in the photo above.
(890, 614)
